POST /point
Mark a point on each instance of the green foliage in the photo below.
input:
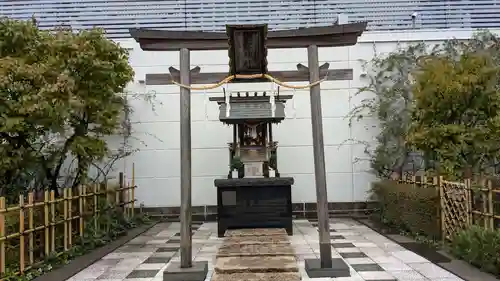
(480, 247)
(395, 80)
(236, 164)
(457, 111)
(409, 208)
(389, 87)
(60, 95)
(111, 226)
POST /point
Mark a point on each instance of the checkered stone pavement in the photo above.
(370, 256)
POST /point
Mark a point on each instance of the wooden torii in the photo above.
(310, 38)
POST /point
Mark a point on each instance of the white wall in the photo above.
(157, 168)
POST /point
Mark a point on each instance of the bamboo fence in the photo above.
(35, 229)
(463, 203)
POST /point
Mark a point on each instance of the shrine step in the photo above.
(260, 264)
(272, 239)
(268, 249)
(256, 232)
(281, 276)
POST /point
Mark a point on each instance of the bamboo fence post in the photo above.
(133, 190)
(30, 225)
(65, 214)
(109, 203)
(21, 233)
(120, 191)
(117, 196)
(53, 221)
(46, 222)
(70, 217)
(2, 235)
(442, 202)
(80, 209)
(96, 209)
(468, 192)
(129, 212)
(491, 208)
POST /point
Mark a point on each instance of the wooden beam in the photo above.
(214, 77)
(327, 36)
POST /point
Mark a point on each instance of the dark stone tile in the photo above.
(298, 207)
(211, 209)
(311, 215)
(336, 236)
(310, 207)
(426, 252)
(211, 217)
(343, 245)
(353, 255)
(198, 209)
(198, 217)
(143, 274)
(367, 267)
(167, 249)
(178, 235)
(157, 260)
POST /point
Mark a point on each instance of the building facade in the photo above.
(156, 132)
(156, 128)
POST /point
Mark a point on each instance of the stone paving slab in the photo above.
(272, 239)
(239, 250)
(370, 256)
(281, 276)
(256, 232)
(256, 264)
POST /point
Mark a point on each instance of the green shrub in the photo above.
(408, 207)
(478, 246)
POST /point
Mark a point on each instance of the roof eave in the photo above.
(328, 36)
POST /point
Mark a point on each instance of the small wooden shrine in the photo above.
(253, 195)
(253, 151)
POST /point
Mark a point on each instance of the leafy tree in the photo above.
(389, 85)
(60, 96)
(391, 80)
(457, 111)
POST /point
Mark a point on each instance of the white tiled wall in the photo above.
(156, 132)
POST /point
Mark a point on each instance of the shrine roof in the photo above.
(324, 36)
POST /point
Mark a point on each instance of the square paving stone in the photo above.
(256, 264)
(367, 267)
(157, 260)
(343, 245)
(353, 255)
(142, 274)
(167, 249)
(280, 276)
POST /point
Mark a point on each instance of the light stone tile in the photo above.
(431, 271)
(409, 257)
(408, 275)
(375, 275)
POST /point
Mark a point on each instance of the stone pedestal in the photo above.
(339, 269)
(174, 272)
(254, 203)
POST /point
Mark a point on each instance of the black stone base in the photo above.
(339, 269)
(174, 272)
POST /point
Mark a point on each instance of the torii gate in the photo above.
(310, 38)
